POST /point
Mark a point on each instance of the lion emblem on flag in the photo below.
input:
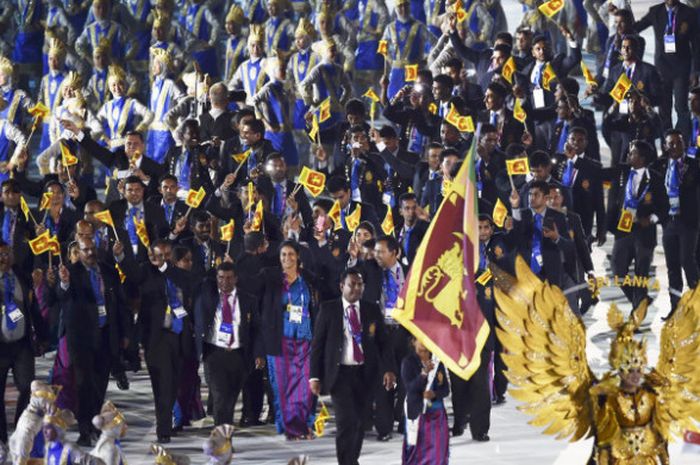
(441, 285)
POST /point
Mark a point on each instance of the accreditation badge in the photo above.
(295, 313)
(626, 220)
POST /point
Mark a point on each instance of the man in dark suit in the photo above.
(540, 100)
(551, 135)
(644, 76)
(226, 335)
(16, 229)
(94, 321)
(362, 169)
(173, 209)
(133, 206)
(624, 26)
(253, 138)
(636, 203)
(339, 189)
(541, 168)
(487, 62)
(165, 325)
(278, 188)
(541, 234)
(398, 167)
(128, 160)
(490, 164)
(428, 169)
(410, 230)
(675, 56)
(349, 352)
(22, 333)
(190, 162)
(206, 252)
(581, 176)
(680, 231)
(510, 130)
(215, 124)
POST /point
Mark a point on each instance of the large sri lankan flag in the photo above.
(438, 303)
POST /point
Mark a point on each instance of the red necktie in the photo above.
(227, 313)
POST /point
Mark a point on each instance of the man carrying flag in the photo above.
(438, 302)
(16, 229)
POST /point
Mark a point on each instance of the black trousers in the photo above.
(91, 369)
(674, 95)
(18, 357)
(388, 405)
(226, 372)
(500, 382)
(164, 362)
(350, 400)
(625, 249)
(679, 244)
(255, 388)
(471, 399)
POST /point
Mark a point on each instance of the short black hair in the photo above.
(179, 252)
(227, 266)
(167, 177)
(135, 133)
(11, 184)
(391, 243)
(200, 216)
(367, 226)
(406, 196)
(337, 183)
(354, 271)
(388, 132)
(256, 126)
(580, 130)
(454, 63)
(645, 149)
(253, 240)
(132, 180)
(541, 185)
(444, 79)
(540, 158)
(355, 107)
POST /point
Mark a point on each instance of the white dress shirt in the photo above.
(348, 356)
(218, 319)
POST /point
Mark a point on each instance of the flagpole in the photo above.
(228, 248)
(238, 168)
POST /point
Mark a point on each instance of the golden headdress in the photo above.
(5, 66)
(45, 391)
(326, 11)
(59, 418)
(322, 46)
(106, 3)
(305, 28)
(256, 34)
(162, 55)
(235, 15)
(163, 457)
(73, 80)
(401, 2)
(627, 353)
(160, 19)
(115, 73)
(57, 47)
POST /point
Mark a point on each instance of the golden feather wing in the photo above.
(676, 378)
(546, 353)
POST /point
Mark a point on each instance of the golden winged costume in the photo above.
(632, 411)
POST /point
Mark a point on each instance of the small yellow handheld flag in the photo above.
(106, 217)
(411, 72)
(465, 124)
(548, 75)
(622, 86)
(25, 208)
(353, 219)
(241, 157)
(518, 112)
(324, 110)
(122, 276)
(334, 214)
(590, 79)
(256, 224)
(551, 7)
(142, 232)
(371, 94)
(45, 200)
(499, 213)
(388, 223)
(41, 243)
(314, 181)
(227, 231)
(313, 133)
(383, 48)
(508, 70)
(518, 166)
(195, 197)
(67, 158)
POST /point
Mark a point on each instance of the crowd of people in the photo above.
(165, 164)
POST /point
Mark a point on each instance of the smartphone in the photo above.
(548, 223)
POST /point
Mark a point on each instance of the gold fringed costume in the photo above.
(632, 411)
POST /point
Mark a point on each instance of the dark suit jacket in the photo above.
(431, 197)
(199, 173)
(35, 327)
(562, 64)
(369, 174)
(646, 79)
(415, 384)
(205, 311)
(547, 136)
(219, 127)
(584, 262)
(655, 202)
(510, 129)
(586, 191)
(35, 188)
(414, 240)
(79, 310)
(24, 231)
(179, 210)
(154, 301)
(686, 56)
(689, 195)
(407, 117)
(481, 59)
(266, 185)
(553, 266)
(154, 218)
(327, 344)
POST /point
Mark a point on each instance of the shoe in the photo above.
(500, 400)
(481, 437)
(122, 381)
(177, 429)
(457, 431)
(245, 423)
(401, 429)
(384, 437)
(163, 439)
(84, 440)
